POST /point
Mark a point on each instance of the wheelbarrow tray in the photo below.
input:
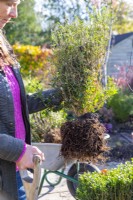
(53, 160)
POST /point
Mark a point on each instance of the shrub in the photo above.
(45, 123)
(34, 61)
(80, 50)
(122, 105)
(33, 84)
(115, 184)
(124, 78)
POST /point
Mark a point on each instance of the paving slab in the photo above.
(59, 192)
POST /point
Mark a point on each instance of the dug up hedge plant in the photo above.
(115, 184)
(79, 53)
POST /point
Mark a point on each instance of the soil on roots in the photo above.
(83, 139)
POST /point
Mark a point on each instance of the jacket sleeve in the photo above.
(51, 98)
(10, 147)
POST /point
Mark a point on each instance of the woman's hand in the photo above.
(27, 159)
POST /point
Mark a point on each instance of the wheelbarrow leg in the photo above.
(32, 185)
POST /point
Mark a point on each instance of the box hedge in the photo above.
(114, 184)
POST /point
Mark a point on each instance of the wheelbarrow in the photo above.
(55, 164)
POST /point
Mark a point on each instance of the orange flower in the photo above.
(104, 171)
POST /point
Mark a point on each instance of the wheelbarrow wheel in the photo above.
(73, 173)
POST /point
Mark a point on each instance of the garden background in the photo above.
(30, 36)
(67, 44)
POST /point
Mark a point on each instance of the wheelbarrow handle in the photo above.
(31, 185)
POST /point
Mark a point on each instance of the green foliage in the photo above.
(122, 105)
(25, 29)
(58, 11)
(80, 50)
(45, 121)
(115, 184)
(123, 17)
(34, 61)
(33, 85)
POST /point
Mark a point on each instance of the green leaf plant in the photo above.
(80, 49)
(114, 184)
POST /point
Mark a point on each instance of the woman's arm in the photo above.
(10, 147)
(51, 98)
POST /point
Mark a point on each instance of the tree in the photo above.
(123, 17)
(26, 28)
(58, 11)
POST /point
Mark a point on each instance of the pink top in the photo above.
(15, 89)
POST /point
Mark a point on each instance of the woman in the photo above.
(15, 150)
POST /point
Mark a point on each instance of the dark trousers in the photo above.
(21, 192)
